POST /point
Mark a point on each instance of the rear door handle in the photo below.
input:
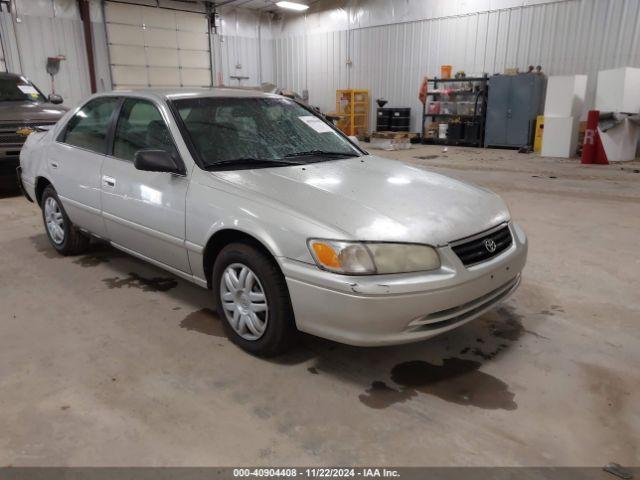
(108, 181)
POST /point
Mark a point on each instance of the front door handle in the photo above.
(108, 181)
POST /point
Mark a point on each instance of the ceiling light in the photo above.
(292, 5)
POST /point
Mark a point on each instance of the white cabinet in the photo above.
(618, 90)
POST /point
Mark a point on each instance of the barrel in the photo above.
(383, 120)
(400, 119)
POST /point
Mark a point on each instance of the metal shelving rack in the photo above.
(478, 116)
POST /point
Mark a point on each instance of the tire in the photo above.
(260, 307)
(66, 238)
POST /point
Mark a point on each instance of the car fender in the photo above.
(211, 209)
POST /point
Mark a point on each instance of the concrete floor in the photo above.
(105, 360)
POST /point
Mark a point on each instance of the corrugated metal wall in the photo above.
(245, 57)
(244, 48)
(41, 37)
(575, 36)
(38, 29)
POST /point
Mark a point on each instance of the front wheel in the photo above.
(63, 235)
(253, 300)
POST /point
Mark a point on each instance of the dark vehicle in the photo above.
(23, 108)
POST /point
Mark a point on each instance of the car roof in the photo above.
(179, 93)
(16, 76)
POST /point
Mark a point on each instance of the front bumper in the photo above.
(402, 308)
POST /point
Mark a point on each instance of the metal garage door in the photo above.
(157, 47)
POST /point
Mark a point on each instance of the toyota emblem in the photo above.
(490, 245)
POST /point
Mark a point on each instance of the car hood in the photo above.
(372, 198)
(28, 112)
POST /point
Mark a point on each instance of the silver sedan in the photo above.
(291, 224)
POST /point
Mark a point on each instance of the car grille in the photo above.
(484, 247)
(8, 135)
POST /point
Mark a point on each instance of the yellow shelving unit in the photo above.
(352, 110)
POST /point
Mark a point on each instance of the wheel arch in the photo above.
(224, 237)
(40, 185)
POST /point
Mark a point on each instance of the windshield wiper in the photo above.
(248, 160)
(321, 153)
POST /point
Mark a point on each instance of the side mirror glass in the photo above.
(55, 99)
(156, 161)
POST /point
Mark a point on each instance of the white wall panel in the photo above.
(164, 77)
(190, 22)
(160, 37)
(128, 55)
(192, 77)
(125, 34)
(193, 40)
(159, 18)
(165, 57)
(129, 75)
(565, 37)
(123, 13)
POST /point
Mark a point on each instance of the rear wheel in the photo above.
(253, 300)
(63, 235)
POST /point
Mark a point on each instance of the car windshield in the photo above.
(260, 132)
(18, 89)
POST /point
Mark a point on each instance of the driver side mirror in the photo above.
(55, 99)
(156, 161)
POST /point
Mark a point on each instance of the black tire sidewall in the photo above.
(280, 329)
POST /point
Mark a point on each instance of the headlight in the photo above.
(360, 258)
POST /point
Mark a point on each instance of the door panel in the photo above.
(75, 161)
(523, 116)
(75, 174)
(144, 211)
(498, 111)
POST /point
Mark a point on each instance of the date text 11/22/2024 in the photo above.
(316, 472)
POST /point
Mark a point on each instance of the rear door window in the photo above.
(88, 127)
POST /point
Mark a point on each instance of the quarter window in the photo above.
(88, 127)
(141, 127)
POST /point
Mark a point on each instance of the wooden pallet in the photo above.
(395, 135)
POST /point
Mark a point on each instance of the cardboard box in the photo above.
(618, 90)
(560, 137)
(565, 96)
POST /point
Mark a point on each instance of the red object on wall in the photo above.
(592, 148)
(423, 90)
